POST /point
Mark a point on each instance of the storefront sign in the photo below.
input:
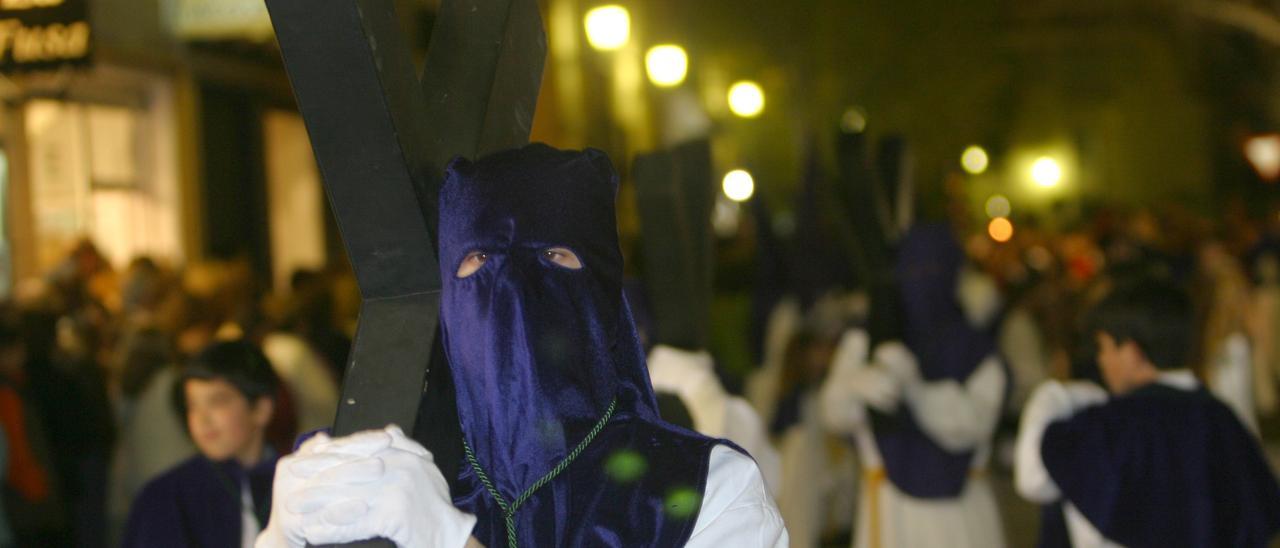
(38, 34)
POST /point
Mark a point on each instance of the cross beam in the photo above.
(381, 137)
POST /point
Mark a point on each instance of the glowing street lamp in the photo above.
(1046, 172)
(853, 121)
(667, 65)
(746, 99)
(608, 27)
(974, 160)
(1263, 153)
(738, 185)
(1000, 229)
(998, 206)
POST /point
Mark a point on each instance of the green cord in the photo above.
(509, 511)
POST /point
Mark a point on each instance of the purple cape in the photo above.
(197, 503)
(1165, 467)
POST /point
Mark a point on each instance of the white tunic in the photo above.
(715, 412)
(737, 510)
(312, 388)
(1231, 379)
(957, 416)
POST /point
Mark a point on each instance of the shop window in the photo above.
(96, 172)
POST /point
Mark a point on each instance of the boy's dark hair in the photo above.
(240, 363)
(1153, 313)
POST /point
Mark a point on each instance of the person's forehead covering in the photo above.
(533, 197)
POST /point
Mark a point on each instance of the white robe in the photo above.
(819, 478)
(1231, 379)
(311, 386)
(957, 416)
(737, 510)
(715, 412)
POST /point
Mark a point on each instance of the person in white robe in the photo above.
(945, 410)
(715, 412)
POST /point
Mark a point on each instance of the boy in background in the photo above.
(222, 496)
(1155, 460)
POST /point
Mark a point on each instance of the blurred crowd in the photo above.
(1032, 294)
(89, 360)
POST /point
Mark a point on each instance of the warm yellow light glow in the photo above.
(746, 99)
(608, 27)
(1046, 172)
(1000, 229)
(998, 206)
(1263, 152)
(974, 160)
(738, 185)
(667, 65)
(853, 121)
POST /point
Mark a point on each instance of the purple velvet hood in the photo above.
(539, 351)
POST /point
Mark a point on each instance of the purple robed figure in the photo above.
(542, 353)
(946, 346)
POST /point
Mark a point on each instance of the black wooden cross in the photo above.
(381, 137)
(675, 196)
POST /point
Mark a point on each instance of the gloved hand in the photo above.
(377, 483)
(898, 361)
(875, 387)
(852, 381)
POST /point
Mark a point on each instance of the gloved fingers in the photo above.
(881, 398)
(309, 446)
(361, 443)
(321, 532)
(346, 512)
(306, 466)
(853, 346)
(355, 472)
(404, 443)
(313, 499)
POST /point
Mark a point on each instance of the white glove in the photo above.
(852, 350)
(852, 378)
(898, 361)
(875, 387)
(377, 483)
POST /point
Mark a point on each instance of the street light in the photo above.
(608, 27)
(974, 160)
(1046, 172)
(998, 206)
(1263, 153)
(853, 121)
(746, 99)
(738, 185)
(1000, 229)
(667, 65)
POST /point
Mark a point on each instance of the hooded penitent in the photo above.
(564, 444)
(945, 345)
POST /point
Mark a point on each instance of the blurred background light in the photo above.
(1263, 153)
(974, 160)
(853, 121)
(1046, 172)
(998, 206)
(746, 99)
(608, 27)
(738, 185)
(667, 65)
(1000, 229)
